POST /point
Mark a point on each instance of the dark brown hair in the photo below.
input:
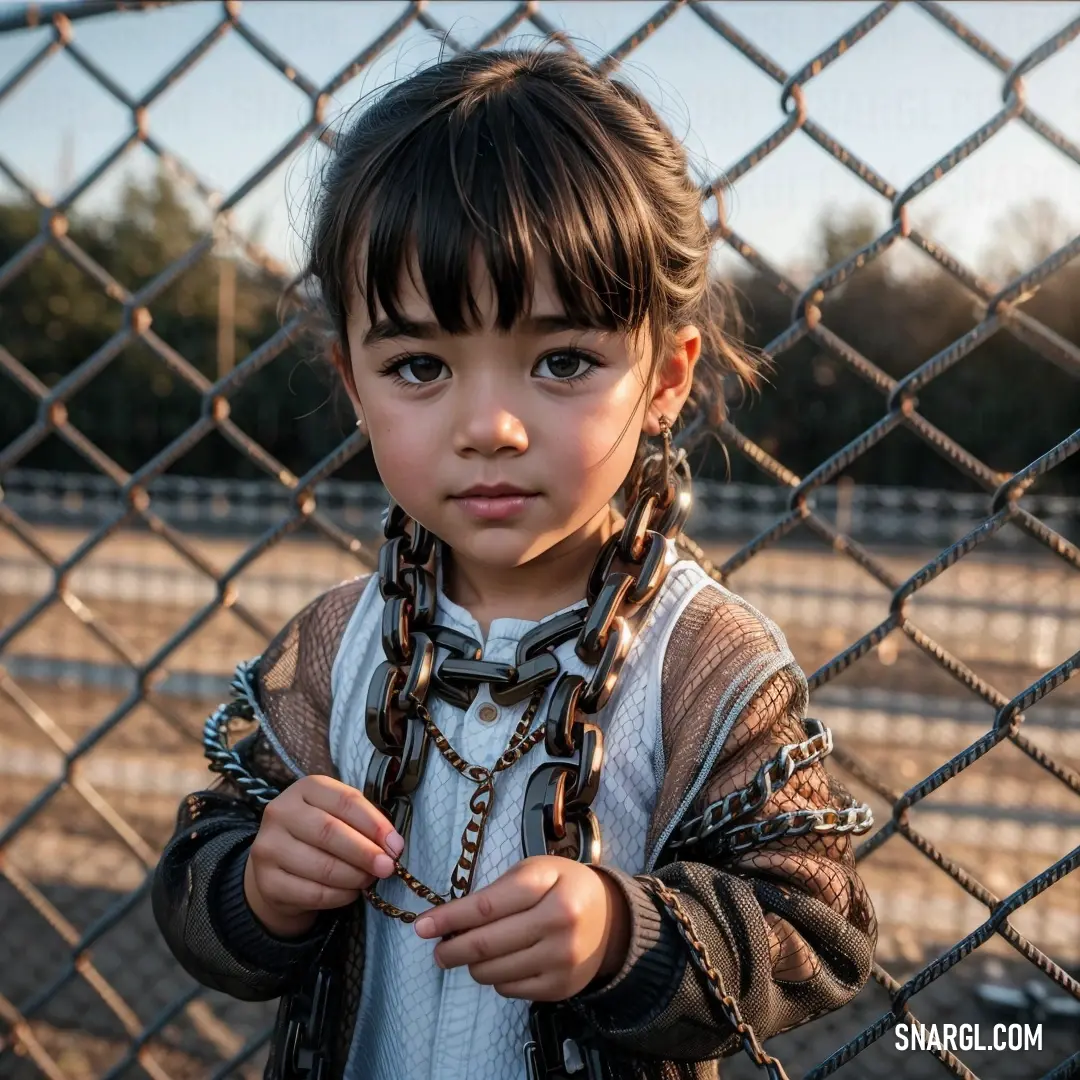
(508, 155)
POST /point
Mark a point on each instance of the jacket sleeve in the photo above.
(198, 891)
(198, 888)
(786, 923)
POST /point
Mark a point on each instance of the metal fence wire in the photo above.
(144, 1018)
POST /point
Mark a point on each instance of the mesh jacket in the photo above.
(788, 924)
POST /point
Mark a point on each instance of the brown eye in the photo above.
(565, 366)
(422, 369)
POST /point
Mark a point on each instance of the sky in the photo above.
(899, 99)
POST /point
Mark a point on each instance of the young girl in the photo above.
(538, 798)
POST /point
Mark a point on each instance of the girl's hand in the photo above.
(543, 931)
(320, 842)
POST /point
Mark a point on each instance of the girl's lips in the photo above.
(495, 507)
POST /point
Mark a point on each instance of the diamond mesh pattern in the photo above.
(295, 676)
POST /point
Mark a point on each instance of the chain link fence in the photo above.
(92, 770)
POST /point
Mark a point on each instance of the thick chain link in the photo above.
(225, 759)
(729, 1007)
(772, 776)
(627, 574)
(856, 818)
(719, 830)
(397, 719)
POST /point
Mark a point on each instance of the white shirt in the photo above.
(417, 1021)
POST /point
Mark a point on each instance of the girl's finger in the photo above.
(514, 934)
(539, 988)
(310, 863)
(528, 964)
(318, 829)
(517, 890)
(349, 805)
(287, 890)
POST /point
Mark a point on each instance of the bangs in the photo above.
(513, 178)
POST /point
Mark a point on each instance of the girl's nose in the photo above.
(486, 426)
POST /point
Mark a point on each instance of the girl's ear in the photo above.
(674, 379)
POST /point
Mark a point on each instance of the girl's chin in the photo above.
(501, 548)
(499, 552)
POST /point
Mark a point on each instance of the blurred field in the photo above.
(1003, 820)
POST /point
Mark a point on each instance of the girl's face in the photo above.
(506, 444)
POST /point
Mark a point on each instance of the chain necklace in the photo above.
(557, 813)
(480, 804)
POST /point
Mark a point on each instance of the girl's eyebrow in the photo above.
(386, 329)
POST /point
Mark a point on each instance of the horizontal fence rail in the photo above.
(885, 515)
(948, 686)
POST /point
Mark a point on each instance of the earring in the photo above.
(665, 434)
(360, 426)
(655, 471)
(672, 476)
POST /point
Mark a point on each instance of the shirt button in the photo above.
(488, 713)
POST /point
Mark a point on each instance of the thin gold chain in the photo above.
(520, 743)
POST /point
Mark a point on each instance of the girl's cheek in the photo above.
(611, 427)
(398, 454)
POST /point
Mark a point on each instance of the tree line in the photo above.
(1003, 403)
